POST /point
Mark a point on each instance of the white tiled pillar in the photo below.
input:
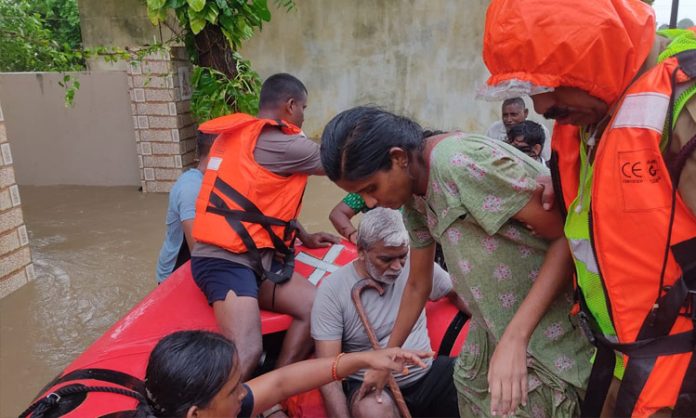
(16, 268)
(160, 94)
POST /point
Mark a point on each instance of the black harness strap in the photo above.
(121, 414)
(105, 375)
(450, 337)
(641, 363)
(240, 215)
(652, 347)
(250, 213)
(686, 402)
(682, 294)
(53, 400)
(600, 381)
(265, 221)
(602, 368)
(685, 254)
(557, 185)
(653, 341)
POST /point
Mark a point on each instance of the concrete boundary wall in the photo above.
(90, 144)
(16, 268)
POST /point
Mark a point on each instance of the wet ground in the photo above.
(94, 251)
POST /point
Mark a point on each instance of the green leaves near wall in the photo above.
(213, 31)
(196, 5)
(216, 94)
(40, 35)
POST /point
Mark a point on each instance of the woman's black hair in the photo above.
(187, 368)
(356, 142)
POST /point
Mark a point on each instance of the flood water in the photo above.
(94, 251)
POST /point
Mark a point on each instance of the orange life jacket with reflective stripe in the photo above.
(243, 207)
(644, 241)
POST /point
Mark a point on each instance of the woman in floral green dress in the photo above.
(523, 355)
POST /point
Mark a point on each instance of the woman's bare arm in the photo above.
(279, 384)
(507, 374)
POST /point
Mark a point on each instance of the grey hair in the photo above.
(382, 224)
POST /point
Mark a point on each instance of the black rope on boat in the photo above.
(52, 400)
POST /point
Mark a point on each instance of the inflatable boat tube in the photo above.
(107, 379)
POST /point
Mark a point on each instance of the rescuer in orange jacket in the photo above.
(246, 221)
(625, 171)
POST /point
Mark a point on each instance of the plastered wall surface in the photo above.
(420, 58)
(92, 143)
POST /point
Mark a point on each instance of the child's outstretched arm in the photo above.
(273, 387)
(507, 373)
(340, 217)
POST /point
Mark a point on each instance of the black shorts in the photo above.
(217, 277)
(433, 395)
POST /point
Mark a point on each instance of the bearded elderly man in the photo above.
(383, 247)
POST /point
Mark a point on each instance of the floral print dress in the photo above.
(475, 188)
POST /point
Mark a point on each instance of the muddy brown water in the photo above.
(94, 251)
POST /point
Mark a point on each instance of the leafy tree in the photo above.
(40, 35)
(62, 17)
(213, 30)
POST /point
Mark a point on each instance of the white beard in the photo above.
(389, 277)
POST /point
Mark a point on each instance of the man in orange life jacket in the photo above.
(246, 221)
(625, 170)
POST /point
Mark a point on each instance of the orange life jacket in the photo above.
(243, 207)
(644, 243)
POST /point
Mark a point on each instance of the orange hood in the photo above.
(532, 46)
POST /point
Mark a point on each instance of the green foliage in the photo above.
(71, 86)
(215, 94)
(62, 17)
(236, 18)
(111, 54)
(40, 35)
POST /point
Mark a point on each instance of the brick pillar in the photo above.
(160, 94)
(16, 268)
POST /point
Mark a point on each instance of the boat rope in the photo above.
(53, 399)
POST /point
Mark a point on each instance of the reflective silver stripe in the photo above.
(582, 251)
(214, 163)
(321, 266)
(643, 110)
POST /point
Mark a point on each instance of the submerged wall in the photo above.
(91, 143)
(16, 268)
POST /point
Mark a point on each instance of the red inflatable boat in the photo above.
(117, 360)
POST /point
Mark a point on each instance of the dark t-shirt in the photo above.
(247, 403)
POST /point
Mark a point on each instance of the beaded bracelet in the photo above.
(334, 367)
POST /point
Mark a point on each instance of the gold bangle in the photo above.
(334, 367)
